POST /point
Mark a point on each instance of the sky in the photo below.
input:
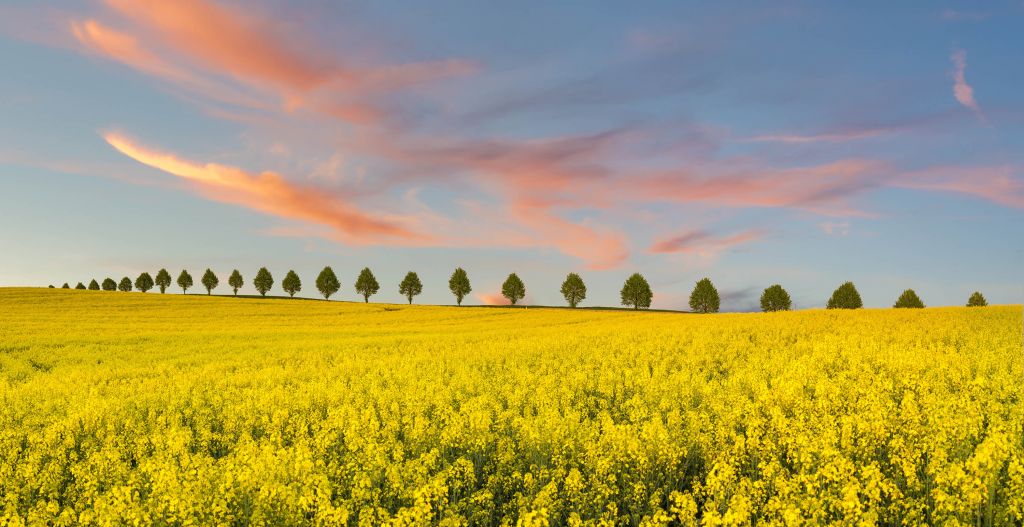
(799, 143)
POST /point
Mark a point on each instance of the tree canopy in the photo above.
(94, 285)
(125, 285)
(163, 280)
(291, 283)
(366, 284)
(977, 300)
(775, 298)
(209, 281)
(327, 283)
(909, 299)
(235, 281)
(704, 298)
(458, 284)
(109, 284)
(845, 297)
(574, 290)
(144, 282)
(513, 289)
(184, 281)
(410, 286)
(80, 285)
(263, 282)
(636, 292)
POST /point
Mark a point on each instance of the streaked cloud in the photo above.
(835, 228)
(963, 92)
(827, 137)
(704, 243)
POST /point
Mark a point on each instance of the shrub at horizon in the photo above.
(109, 284)
(209, 281)
(908, 299)
(184, 281)
(263, 282)
(410, 286)
(775, 298)
(574, 290)
(65, 286)
(513, 289)
(636, 292)
(458, 284)
(80, 285)
(125, 285)
(94, 285)
(366, 284)
(327, 283)
(144, 282)
(977, 300)
(704, 298)
(291, 283)
(235, 281)
(163, 280)
(845, 297)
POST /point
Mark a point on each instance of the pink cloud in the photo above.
(993, 183)
(963, 92)
(703, 242)
(833, 137)
(492, 299)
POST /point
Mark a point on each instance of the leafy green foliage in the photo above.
(775, 298)
(144, 282)
(459, 285)
(235, 281)
(80, 285)
(636, 292)
(327, 283)
(977, 300)
(125, 285)
(109, 284)
(209, 281)
(704, 297)
(909, 299)
(513, 289)
(574, 290)
(264, 281)
(410, 286)
(65, 286)
(94, 285)
(366, 284)
(163, 280)
(184, 281)
(845, 297)
(291, 283)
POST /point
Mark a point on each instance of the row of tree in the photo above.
(635, 293)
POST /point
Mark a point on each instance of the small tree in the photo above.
(775, 298)
(291, 283)
(163, 280)
(909, 299)
(94, 285)
(327, 283)
(574, 290)
(458, 284)
(636, 292)
(80, 285)
(51, 286)
(366, 284)
(235, 281)
(144, 282)
(263, 282)
(410, 286)
(977, 300)
(109, 284)
(513, 289)
(704, 298)
(65, 286)
(845, 297)
(209, 281)
(184, 281)
(125, 285)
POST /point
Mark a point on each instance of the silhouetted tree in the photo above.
(704, 297)
(109, 284)
(845, 297)
(51, 286)
(458, 284)
(775, 298)
(125, 285)
(909, 299)
(184, 281)
(574, 290)
(144, 282)
(327, 283)
(977, 300)
(80, 285)
(235, 281)
(209, 281)
(636, 292)
(263, 282)
(94, 285)
(65, 286)
(513, 289)
(366, 284)
(291, 283)
(410, 286)
(163, 280)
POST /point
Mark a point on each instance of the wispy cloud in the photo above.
(954, 15)
(826, 137)
(963, 92)
(704, 243)
(835, 228)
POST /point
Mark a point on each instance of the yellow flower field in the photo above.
(139, 409)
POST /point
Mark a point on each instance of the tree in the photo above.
(513, 289)
(51, 286)
(80, 285)
(366, 284)
(263, 282)
(94, 285)
(235, 281)
(636, 292)
(775, 298)
(184, 281)
(909, 299)
(144, 282)
(125, 285)
(704, 298)
(209, 281)
(977, 300)
(163, 280)
(109, 284)
(845, 297)
(327, 283)
(65, 286)
(291, 283)
(458, 284)
(410, 286)
(574, 290)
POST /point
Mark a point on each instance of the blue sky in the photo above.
(803, 143)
